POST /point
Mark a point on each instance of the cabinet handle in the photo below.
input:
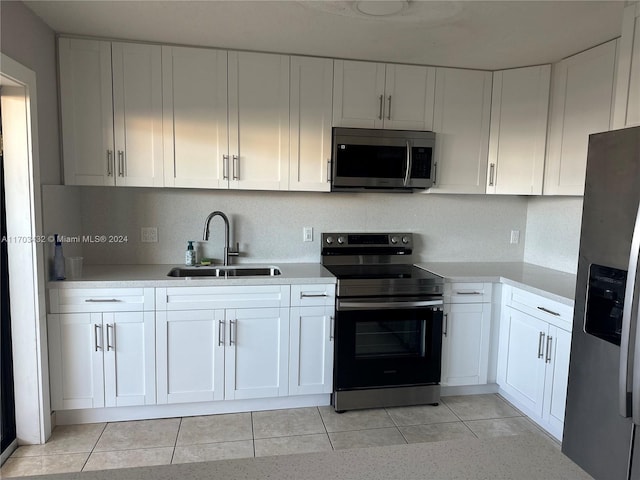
(331, 327)
(236, 167)
(328, 170)
(109, 163)
(551, 312)
(468, 293)
(389, 111)
(96, 327)
(313, 295)
(225, 167)
(446, 324)
(111, 346)
(102, 300)
(380, 113)
(435, 172)
(492, 170)
(121, 172)
(233, 332)
(540, 342)
(220, 333)
(548, 354)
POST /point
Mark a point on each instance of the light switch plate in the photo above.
(515, 236)
(149, 234)
(307, 234)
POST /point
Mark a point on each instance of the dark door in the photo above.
(7, 404)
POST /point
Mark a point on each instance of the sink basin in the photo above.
(235, 271)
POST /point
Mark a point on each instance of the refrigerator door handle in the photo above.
(628, 387)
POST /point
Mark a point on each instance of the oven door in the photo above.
(387, 343)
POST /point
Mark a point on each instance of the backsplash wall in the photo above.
(268, 225)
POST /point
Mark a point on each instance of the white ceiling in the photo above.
(472, 34)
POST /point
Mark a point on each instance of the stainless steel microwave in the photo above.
(382, 160)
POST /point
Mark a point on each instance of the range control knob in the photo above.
(405, 239)
(394, 240)
(329, 240)
(340, 240)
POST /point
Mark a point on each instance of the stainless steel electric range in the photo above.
(388, 325)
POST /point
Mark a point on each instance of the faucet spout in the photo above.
(205, 235)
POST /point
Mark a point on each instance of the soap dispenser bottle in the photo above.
(190, 255)
(58, 260)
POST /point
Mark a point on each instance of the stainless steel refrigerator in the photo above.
(603, 397)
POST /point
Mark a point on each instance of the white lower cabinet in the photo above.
(206, 355)
(311, 350)
(466, 334)
(533, 361)
(101, 359)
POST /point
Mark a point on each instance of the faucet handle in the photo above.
(234, 252)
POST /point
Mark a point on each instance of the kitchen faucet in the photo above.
(205, 236)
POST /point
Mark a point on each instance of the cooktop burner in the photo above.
(359, 272)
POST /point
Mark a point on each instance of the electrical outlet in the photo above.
(307, 234)
(515, 236)
(149, 234)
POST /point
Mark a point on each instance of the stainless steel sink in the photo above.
(235, 271)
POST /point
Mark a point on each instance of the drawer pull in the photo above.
(540, 342)
(468, 293)
(102, 300)
(551, 312)
(313, 295)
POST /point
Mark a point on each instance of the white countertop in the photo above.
(114, 276)
(553, 284)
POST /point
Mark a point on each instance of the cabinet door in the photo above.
(310, 113)
(522, 370)
(557, 357)
(461, 122)
(190, 355)
(581, 104)
(76, 360)
(137, 100)
(409, 97)
(627, 94)
(196, 139)
(257, 353)
(86, 111)
(311, 350)
(129, 358)
(465, 346)
(358, 94)
(519, 108)
(259, 121)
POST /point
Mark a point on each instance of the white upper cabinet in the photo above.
(310, 114)
(519, 109)
(111, 104)
(627, 95)
(581, 104)
(258, 121)
(461, 122)
(196, 139)
(375, 95)
(86, 111)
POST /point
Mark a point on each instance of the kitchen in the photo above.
(261, 220)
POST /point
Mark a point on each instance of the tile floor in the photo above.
(75, 448)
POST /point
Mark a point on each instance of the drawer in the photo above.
(541, 307)
(80, 300)
(312, 295)
(207, 298)
(464, 292)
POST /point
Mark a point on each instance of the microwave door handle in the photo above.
(406, 175)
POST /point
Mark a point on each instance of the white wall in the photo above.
(553, 232)
(269, 225)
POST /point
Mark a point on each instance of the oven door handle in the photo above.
(347, 305)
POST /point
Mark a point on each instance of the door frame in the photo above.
(26, 253)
